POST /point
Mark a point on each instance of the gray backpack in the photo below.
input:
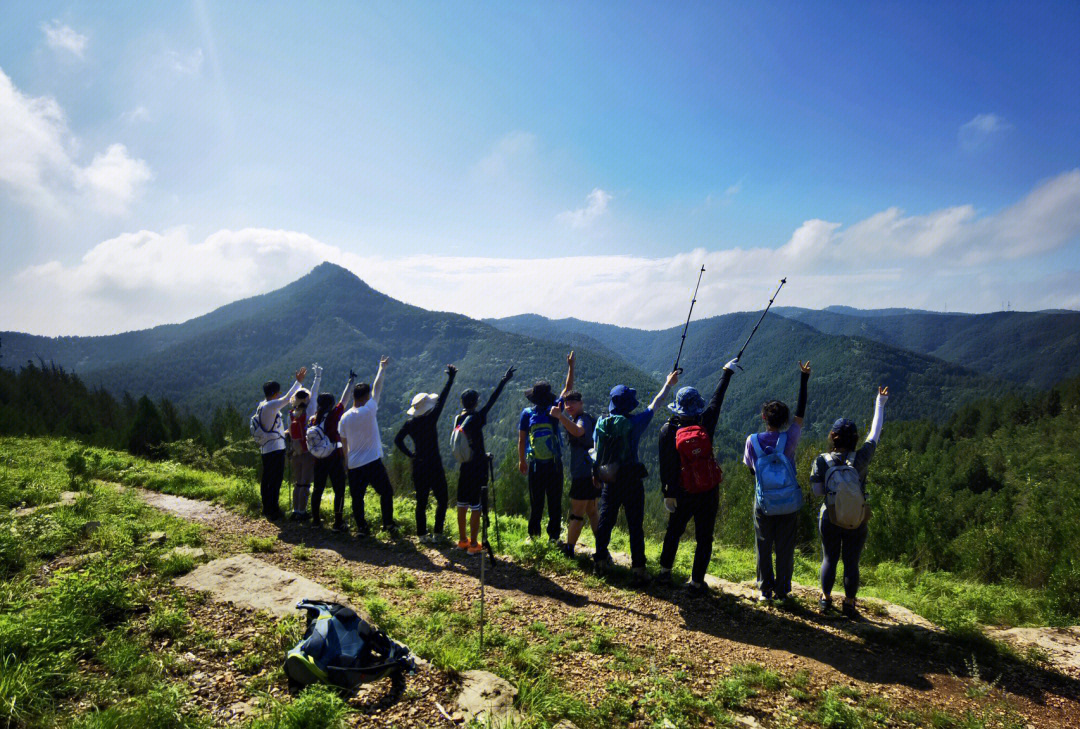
(845, 503)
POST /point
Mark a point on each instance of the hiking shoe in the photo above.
(825, 605)
(427, 538)
(316, 523)
(663, 579)
(567, 549)
(475, 548)
(849, 610)
(602, 564)
(765, 598)
(640, 577)
(463, 544)
(696, 589)
(362, 531)
(339, 526)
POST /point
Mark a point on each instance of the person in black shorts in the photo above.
(583, 489)
(473, 474)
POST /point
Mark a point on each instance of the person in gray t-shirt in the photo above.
(837, 543)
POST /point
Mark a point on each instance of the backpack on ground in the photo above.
(341, 649)
(612, 446)
(545, 445)
(261, 435)
(700, 471)
(845, 503)
(319, 443)
(459, 440)
(777, 488)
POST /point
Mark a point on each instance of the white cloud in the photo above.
(186, 64)
(595, 206)
(38, 164)
(981, 130)
(64, 39)
(138, 114)
(889, 259)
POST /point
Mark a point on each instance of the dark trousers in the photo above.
(332, 467)
(429, 478)
(702, 509)
(775, 534)
(373, 473)
(628, 495)
(545, 484)
(273, 471)
(839, 544)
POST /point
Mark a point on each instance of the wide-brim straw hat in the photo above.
(422, 403)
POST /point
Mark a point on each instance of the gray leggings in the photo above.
(839, 544)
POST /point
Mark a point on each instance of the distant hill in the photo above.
(225, 356)
(1035, 349)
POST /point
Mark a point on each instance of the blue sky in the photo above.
(438, 148)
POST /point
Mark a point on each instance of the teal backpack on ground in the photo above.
(545, 445)
(777, 488)
(340, 649)
(613, 434)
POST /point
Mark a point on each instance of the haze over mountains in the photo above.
(933, 362)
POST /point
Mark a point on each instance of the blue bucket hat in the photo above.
(688, 401)
(623, 400)
(843, 425)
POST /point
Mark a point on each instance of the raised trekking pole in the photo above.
(693, 300)
(782, 282)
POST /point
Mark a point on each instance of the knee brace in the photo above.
(575, 517)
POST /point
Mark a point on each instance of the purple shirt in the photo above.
(768, 439)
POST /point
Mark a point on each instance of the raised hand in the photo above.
(672, 379)
(301, 374)
(451, 369)
(883, 394)
(570, 358)
(383, 361)
(730, 366)
(509, 374)
(316, 369)
(804, 368)
(352, 374)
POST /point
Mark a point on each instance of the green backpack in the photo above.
(612, 446)
(545, 445)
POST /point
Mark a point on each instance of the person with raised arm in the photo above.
(473, 470)
(584, 493)
(689, 476)
(359, 430)
(428, 475)
(301, 462)
(839, 476)
(269, 433)
(770, 456)
(324, 425)
(622, 474)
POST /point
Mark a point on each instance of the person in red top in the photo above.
(301, 462)
(327, 415)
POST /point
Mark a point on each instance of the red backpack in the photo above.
(700, 471)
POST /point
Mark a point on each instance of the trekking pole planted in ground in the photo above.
(782, 282)
(693, 300)
(483, 537)
(494, 506)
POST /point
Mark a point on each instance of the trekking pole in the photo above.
(782, 282)
(483, 531)
(494, 506)
(693, 300)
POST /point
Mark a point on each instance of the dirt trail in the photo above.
(891, 653)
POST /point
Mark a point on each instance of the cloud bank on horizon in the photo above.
(952, 258)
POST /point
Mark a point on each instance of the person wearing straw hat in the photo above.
(427, 467)
(697, 497)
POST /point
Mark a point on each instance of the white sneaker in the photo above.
(428, 538)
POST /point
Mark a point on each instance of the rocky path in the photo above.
(892, 653)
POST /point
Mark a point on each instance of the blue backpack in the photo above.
(545, 444)
(340, 649)
(777, 489)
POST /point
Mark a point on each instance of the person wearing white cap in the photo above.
(427, 468)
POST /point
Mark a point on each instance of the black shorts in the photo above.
(471, 481)
(582, 489)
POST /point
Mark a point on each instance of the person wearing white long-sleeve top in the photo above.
(301, 462)
(269, 432)
(359, 432)
(840, 544)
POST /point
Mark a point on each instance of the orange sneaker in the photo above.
(476, 548)
(463, 544)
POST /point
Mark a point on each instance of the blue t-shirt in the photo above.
(580, 463)
(638, 423)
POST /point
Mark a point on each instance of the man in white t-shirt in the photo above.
(271, 436)
(359, 431)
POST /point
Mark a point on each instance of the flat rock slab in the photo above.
(189, 509)
(250, 582)
(487, 699)
(1061, 644)
(67, 498)
(196, 553)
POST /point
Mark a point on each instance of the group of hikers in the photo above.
(328, 441)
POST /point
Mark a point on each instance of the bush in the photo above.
(317, 707)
